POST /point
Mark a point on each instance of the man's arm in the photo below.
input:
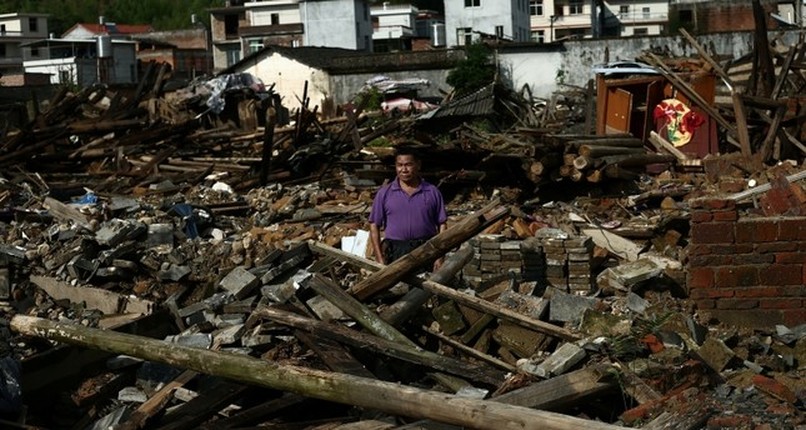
(375, 238)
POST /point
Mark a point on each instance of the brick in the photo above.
(788, 303)
(736, 304)
(784, 274)
(794, 291)
(754, 258)
(712, 203)
(774, 388)
(776, 201)
(701, 216)
(792, 229)
(776, 247)
(725, 216)
(793, 317)
(712, 232)
(711, 293)
(756, 292)
(697, 249)
(730, 421)
(706, 304)
(757, 230)
(738, 276)
(714, 260)
(790, 257)
(731, 249)
(701, 277)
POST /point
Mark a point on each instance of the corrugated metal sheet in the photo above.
(479, 103)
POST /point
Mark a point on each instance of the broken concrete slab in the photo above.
(560, 361)
(715, 354)
(239, 282)
(565, 307)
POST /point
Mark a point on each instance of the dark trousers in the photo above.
(394, 249)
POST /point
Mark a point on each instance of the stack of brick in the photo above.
(493, 256)
(534, 261)
(746, 270)
(568, 261)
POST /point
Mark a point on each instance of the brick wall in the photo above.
(745, 270)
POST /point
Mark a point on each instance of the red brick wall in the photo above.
(748, 271)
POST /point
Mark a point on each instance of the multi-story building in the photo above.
(468, 21)
(17, 29)
(405, 28)
(711, 16)
(557, 20)
(244, 27)
(84, 62)
(639, 18)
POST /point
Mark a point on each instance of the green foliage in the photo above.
(380, 142)
(474, 72)
(162, 14)
(370, 99)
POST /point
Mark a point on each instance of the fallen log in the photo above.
(434, 248)
(363, 392)
(601, 151)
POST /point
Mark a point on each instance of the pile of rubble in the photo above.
(231, 246)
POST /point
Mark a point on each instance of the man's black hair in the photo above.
(407, 150)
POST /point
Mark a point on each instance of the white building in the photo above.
(17, 29)
(468, 21)
(639, 18)
(244, 27)
(84, 62)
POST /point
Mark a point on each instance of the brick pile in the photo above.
(568, 261)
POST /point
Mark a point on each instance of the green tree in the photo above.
(474, 72)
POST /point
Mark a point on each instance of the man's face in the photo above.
(407, 167)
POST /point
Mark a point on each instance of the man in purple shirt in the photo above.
(409, 210)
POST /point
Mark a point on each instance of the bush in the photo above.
(474, 72)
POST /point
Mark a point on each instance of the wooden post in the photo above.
(388, 397)
(268, 144)
(434, 248)
(741, 123)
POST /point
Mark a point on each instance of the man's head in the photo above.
(407, 165)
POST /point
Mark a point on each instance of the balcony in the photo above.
(10, 61)
(640, 17)
(391, 32)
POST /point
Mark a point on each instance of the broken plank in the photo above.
(614, 243)
(406, 352)
(561, 391)
(107, 302)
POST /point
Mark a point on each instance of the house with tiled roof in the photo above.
(84, 30)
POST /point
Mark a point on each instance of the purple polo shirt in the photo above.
(405, 217)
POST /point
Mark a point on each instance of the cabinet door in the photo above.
(619, 108)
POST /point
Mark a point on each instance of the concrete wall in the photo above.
(485, 18)
(289, 77)
(337, 24)
(748, 271)
(345, 87)
(537, 70)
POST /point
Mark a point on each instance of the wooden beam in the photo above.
(563, 390)
(741, 123)
(362, 392)
(403, 351)
(434, 248)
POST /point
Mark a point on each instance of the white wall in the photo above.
(289, 77)
(511, 14)
(337, 24)
(536, 69)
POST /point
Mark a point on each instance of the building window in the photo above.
(645, 12)
(275, 19)
(464, 36)
(539, 36)
(34, 52)
(499, 31)
(64, 76)
(575, 7)
(2, 29)
(255, 45)
(2, 50)
(640, 31)
(233, 56)
(536, 7)
(624, 10)
(33, 25)
(472, 3)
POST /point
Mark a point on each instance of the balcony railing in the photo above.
(640, 16)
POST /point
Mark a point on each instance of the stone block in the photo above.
(449, 318)
(228, 335)
(193, 340)
(533, 307)
(324, 309)
(521, 341)
(160, 234)
(256, 337)
(567, 307)
(715, 354)
(115, 231)
(559, 362)
(239, 282)
(132, 395)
